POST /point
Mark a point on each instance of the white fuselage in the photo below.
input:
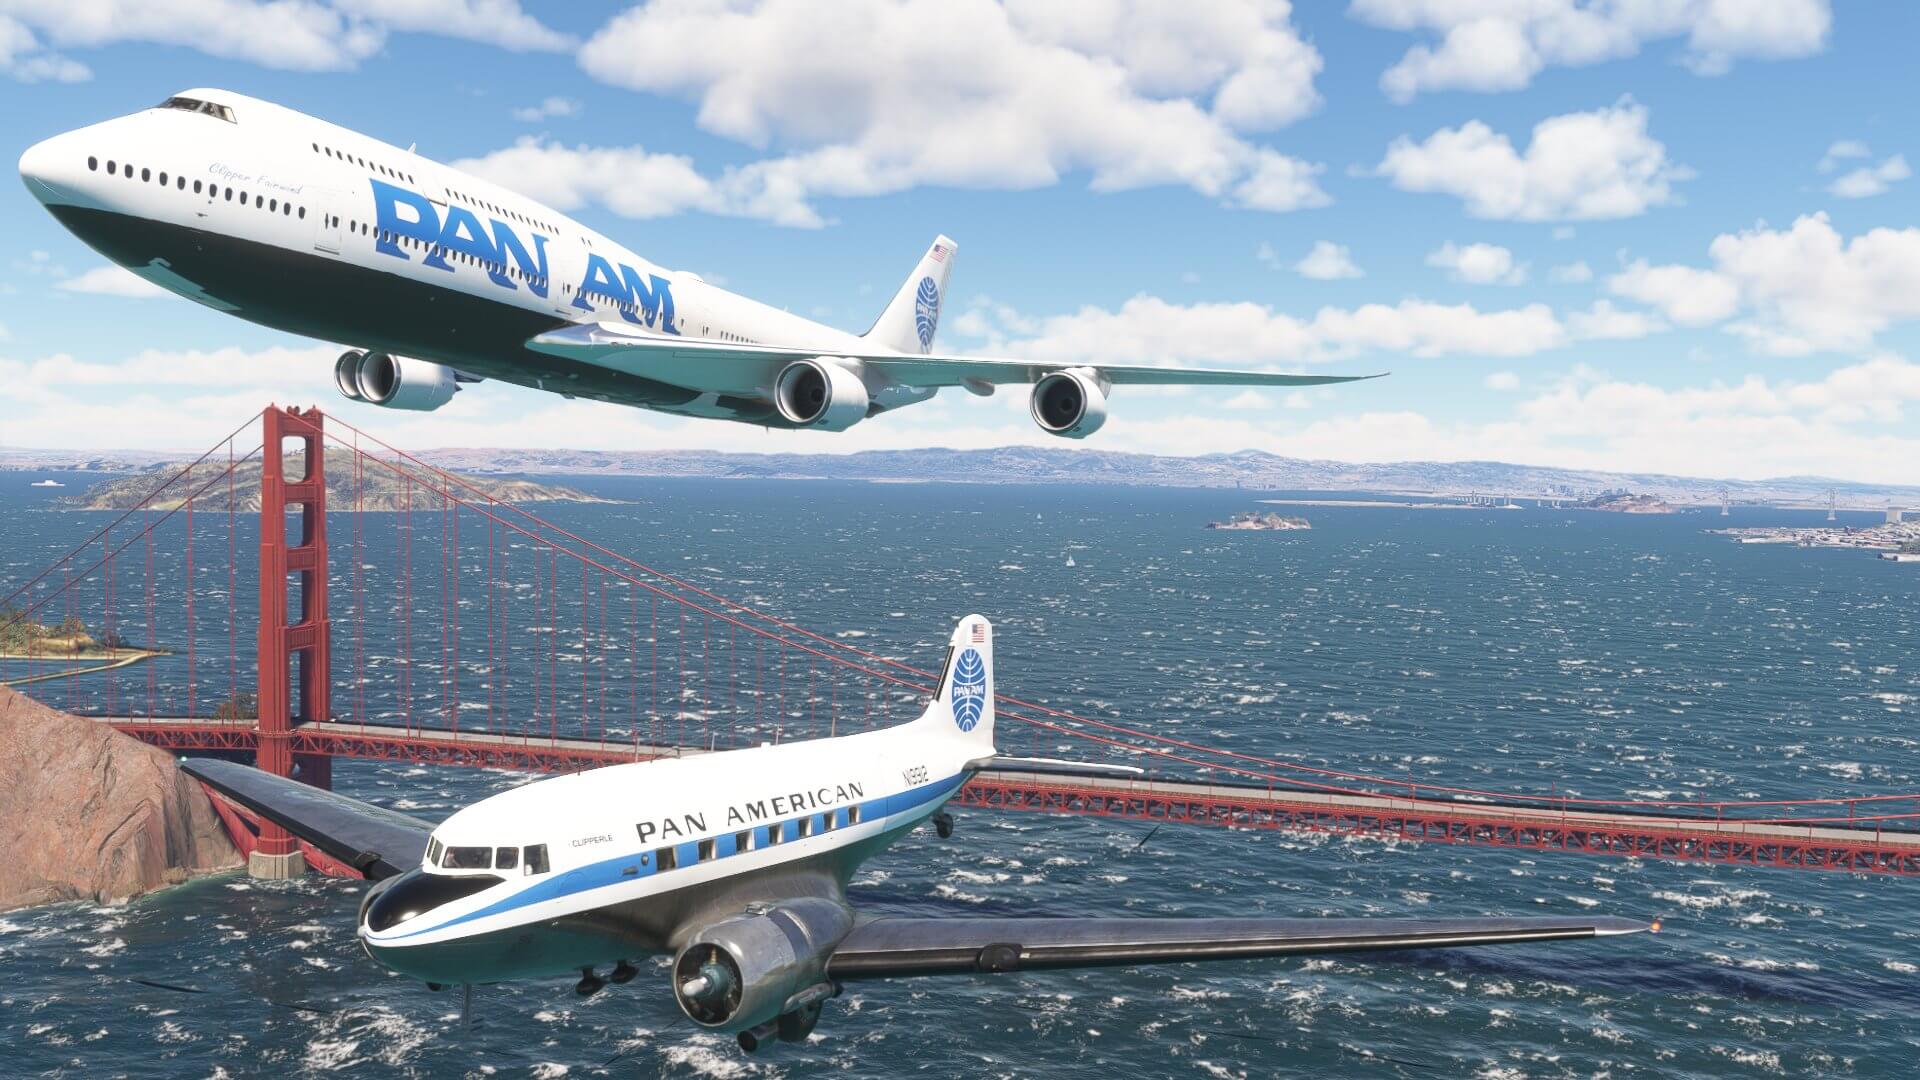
(287, 220)
(619, 862)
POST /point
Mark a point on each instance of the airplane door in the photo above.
(327, 229)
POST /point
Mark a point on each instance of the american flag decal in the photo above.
(939, 253)
(979, 633)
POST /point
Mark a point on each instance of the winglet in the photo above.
(909, 322)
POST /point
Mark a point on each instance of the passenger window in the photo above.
(853, 815)
(146, 176)
(110, 168)
(468, 858)
(180, 182)
(259, 201)
(163, 179)
(506, 858)
(302, 214)
(743, 841)
(664, 859)
(776, 834)
(806, 827)
(196, 187)
(707, 851)
(536, 862)
(93, 164)
(273, 204)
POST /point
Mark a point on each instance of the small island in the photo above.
(25, 638)
(1259, 522)
(371, 488)
(1625, 503)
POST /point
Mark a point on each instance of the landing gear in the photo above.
(622, 973)
(943, 825)
(589, 984)
(798, 1024)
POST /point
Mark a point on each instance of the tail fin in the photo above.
(910, 320)
(963, 702)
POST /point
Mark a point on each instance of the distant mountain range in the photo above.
(1250, 469)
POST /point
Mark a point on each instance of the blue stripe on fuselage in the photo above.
(616, 870)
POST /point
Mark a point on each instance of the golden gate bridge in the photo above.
(460, 629)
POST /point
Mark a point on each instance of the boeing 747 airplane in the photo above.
(437, 278)
(735, 864)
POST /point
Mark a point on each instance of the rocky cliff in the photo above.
(87, 813)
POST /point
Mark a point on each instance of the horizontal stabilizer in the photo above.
(935, 946)
(378, 843)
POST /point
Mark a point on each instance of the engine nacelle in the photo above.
(399, 382)
(747, 971)
(346, 374)
(819, 393)
(1071, 404)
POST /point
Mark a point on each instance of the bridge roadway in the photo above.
(1865, 846)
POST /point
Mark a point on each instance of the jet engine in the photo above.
(396, 382)
(763, 973)
(820, 393)
(1071, 404)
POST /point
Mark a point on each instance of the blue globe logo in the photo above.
(926, 310)
(969, 693)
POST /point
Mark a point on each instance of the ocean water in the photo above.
(1540, 650)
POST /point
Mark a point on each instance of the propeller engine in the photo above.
(1071, 403)
(820, 393)
(762, 974)
(396, 382)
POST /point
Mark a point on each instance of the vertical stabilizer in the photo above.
(963, 703)
(910, 320)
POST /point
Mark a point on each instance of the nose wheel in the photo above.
(943, 825)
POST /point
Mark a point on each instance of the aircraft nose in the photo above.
(52, 169)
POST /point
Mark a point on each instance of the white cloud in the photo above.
(1248, 400)
(883, 97)
(1496, 45)
(1150, 330)
(1502, 381)
(1688, 296)
(547, 109)
(1328, 261)
(1840, 152)
(1604, 322)
(1573, 273)
(22, 57)
(1478, 264)
(300, 35)
(112, 281)
(1804, 288)
(1579, 166)
(1871, 180)
(494, 22)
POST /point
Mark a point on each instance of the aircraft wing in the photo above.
(888, 947)
(379, 843)
(732, 367)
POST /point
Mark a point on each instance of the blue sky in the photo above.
(1674, 236)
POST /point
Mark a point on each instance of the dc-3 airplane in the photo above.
(440, 278)
(736, 863)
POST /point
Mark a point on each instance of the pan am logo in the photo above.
(969, 695)
(926, 310)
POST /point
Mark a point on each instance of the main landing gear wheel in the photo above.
(622, 973)
(589, 984)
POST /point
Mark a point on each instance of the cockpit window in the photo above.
(536, 859)
(209, 108)
(434, 848)
(468, 858)
(506, 858)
